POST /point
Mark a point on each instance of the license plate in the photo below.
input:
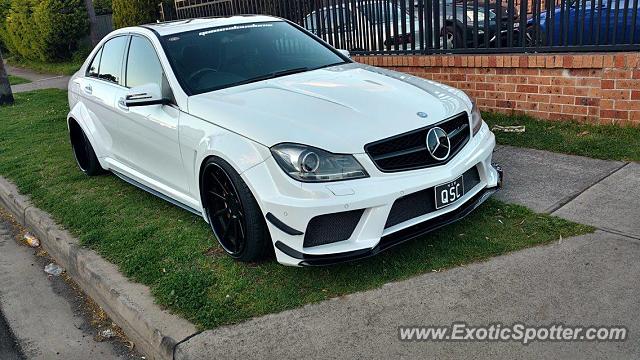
(449, 193)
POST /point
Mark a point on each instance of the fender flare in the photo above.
(247, 154)
(80, 115)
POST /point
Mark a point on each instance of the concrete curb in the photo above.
(155, 332)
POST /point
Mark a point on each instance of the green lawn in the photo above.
(607, 142)
(16, 80)
(173, 252)
(57, 68)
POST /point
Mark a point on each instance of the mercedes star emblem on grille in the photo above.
(438, 144)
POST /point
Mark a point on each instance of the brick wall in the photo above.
(595, 88)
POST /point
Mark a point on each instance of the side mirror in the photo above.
(145, 95)
(345, 53)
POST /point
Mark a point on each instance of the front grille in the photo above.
(409, 151)
(423, 202)
(331, 228)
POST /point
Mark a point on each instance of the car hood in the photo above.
(339, 109)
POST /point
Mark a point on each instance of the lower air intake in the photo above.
(331, 228)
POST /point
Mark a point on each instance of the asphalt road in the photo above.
(47, 316)
(9, 349)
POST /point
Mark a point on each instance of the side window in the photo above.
(111, 63)
(143, 65)
(92, 71)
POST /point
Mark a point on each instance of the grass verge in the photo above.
(606, 142)
(173, 252)
(16, 80)
(58, 68)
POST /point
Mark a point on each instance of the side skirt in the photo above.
(157, 193)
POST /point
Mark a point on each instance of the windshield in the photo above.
(218, 58)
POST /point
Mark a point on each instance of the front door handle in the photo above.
(88, 89)
(122, 104)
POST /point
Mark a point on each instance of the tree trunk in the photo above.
(6, 96)
(92, 22)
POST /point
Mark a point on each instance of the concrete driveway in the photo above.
(38, 80)
(587, 280)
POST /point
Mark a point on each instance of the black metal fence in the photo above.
(448, 26)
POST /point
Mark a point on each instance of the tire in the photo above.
(532, 39)
(452, 35)
(83, 151)
(233, 213)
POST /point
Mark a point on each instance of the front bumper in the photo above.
(393, 239)
(290, 206)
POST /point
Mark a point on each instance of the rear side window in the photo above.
(143, 65)
(111, 62)
(95, 65)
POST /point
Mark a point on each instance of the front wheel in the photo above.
(452, 36)
(233, 212)
(533, 38)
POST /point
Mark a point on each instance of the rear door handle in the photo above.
(122, 104)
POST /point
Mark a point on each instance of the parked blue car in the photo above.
(605, 22)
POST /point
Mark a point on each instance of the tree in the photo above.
(6, 96)
(134, 12)
(45, 30)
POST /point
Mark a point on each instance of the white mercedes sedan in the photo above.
(279, 141)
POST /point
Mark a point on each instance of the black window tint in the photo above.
(95, 65)
(143, 65)
(211, 59)
(111, 63)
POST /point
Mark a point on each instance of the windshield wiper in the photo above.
(268, 76)
(330, 65)
(276, 74)
(290, 71)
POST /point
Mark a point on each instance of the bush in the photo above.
(19, 37)
(5, 5)
(45, 30)
(134, 12)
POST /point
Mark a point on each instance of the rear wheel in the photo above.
(83, 151)
(233, 212)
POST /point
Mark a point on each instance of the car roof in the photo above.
(180, 26)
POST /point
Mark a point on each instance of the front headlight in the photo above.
(309, 164)
(476, 119)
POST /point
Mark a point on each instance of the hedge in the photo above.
(44, 30)
(134, 12)
(5, 6)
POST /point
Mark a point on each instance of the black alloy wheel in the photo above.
(452, 36)
(233, 212)
(533, 38)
